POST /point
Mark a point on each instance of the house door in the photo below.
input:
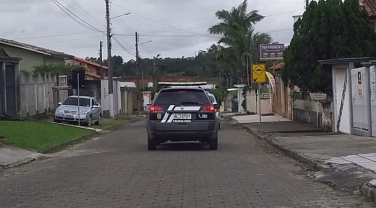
(10, 90)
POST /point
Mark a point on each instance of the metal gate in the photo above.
(10, 90)
(373, 99)
(360, 101)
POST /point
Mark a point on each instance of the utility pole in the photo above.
(138, 76)
(109, 64)
(307, 3)
(100, 59)
(251, 59)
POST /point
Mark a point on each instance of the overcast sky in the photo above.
(175, 28)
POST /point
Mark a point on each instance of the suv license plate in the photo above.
(182, 116)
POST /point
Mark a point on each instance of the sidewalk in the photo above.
(12, 156)
(345, 161)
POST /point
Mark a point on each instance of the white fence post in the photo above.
(44, 93)
(36, 96)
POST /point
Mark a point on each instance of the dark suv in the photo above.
(182, 114)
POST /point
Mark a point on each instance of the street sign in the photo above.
(271, 52)
(258, 72)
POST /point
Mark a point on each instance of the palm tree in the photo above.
(237, 30)
(257, 39)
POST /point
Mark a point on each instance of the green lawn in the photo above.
(108, 123)
(38, 135)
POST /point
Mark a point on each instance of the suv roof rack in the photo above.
(167, 84)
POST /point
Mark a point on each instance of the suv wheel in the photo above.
(213, 144)
(152, 145)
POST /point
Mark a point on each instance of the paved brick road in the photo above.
(118, 171)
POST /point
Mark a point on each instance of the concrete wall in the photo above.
(307, 111)
(282, 102)
(339, 75)
(146, 97)
(2, 89)
(36, 94)
(317, 113)
(51, 60)
(105, 102)
(126, 101)
(252, 104)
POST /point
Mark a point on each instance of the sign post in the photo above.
(78, 99)
(259, 76)
(78, 81)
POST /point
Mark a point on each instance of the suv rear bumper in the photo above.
(183, 136)
(183, 132)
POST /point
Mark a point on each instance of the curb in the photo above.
(269, 139)
(20, 162)
(85, 138)
(62, 146)
(367, 189)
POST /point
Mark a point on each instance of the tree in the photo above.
(92, 59)
(329, 29)
(237, 30)
(59, 68)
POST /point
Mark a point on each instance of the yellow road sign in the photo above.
(258, 72)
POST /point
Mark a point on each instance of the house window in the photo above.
(63, 80)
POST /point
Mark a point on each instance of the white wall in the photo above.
(36, 94)
(339, 74)
(116, 96)
(251, 101)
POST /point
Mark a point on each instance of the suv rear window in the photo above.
(182, 97)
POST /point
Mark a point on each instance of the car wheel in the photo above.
(152, 145)
(89, 121)
(57, 121)
(213, 144)
(99, 120)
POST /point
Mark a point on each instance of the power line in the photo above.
(160, 22)
(172, 43)
(72, 39)
(271, 15)
(50, 36)
(121, 20)
(169, 36)
(87, 13)
(278, 30)
(118, 42)
(65, 10)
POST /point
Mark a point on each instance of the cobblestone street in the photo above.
(117, 170)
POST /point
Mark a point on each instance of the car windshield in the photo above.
(182, 97)
(74, 101)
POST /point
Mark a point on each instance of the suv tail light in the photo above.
(209, 108)
(155, 108)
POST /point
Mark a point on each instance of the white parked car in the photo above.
(89, 112)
